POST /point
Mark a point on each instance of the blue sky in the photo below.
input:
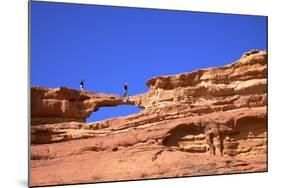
(108, 46)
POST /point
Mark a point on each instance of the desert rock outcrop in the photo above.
(209, 121)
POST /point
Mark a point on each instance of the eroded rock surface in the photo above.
(209, 121)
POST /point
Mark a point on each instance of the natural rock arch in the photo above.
(64, 105)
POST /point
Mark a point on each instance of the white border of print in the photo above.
(14, 92)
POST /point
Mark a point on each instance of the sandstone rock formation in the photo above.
(209, 121)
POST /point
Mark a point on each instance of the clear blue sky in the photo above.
(108, 46)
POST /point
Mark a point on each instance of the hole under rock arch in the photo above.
(113, 112)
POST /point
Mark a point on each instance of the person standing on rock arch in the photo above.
(82, 85)
(126, 90)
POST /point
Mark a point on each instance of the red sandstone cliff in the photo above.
(209, 121)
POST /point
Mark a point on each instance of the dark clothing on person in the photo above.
(81, 85)
(125, 91)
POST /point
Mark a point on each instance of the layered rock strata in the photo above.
(216, 115)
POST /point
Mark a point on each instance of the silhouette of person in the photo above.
(125, 90)
(82, 85)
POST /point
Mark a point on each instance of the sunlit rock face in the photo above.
(209, 121)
